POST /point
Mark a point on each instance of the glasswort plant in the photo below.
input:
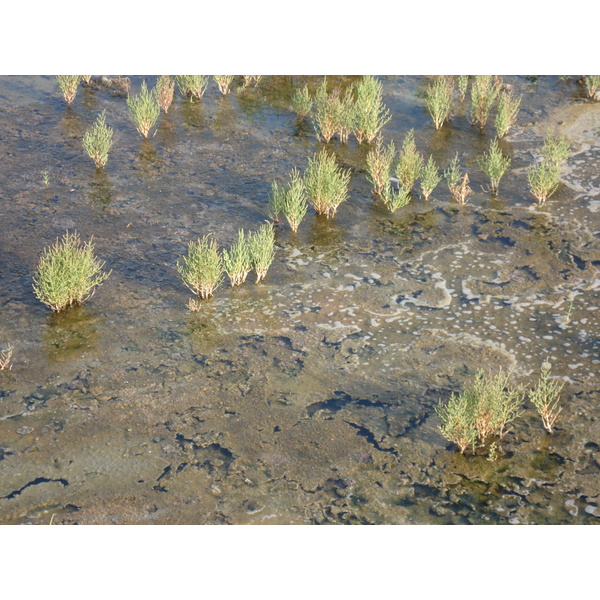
(202, 267)
(165, 90)
(326, 183)
(379, 164)
(438, 100)
(192, 86)
(262, 250)
(430, 177)
(545, 397)
(97, 141)
(144, 110)
(237, 261)
(484, 91)
(68, 85)
(409, 163)
(302, 103)
(293, 203)
(508, 109)
(371, 114)
(494, 164)
(68, 273)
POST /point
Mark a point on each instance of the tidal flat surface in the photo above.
(310, 397)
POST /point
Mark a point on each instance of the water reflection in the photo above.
(225, 118)
(192, 112)
(69, 333)
(100, 188)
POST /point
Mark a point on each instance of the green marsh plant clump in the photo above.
(508, 109)
(165, 91)
(324, 116)
(484, 91)
(462, 83)
(430, 177)
(192, 86)
(275, 201)
(144, 109)
(543, 180)
(545, 397)
(494, 164)
(344, 110)
(556, 149)
(395, 198)
(202, 267)
(410, 162)
(457, 184)
(438, 100)
(302, 102)
(5, 358)
(68, 85)
(224, 82)
(262, 250)
(484, 410)
(68, 273)
(251, 79)
(370, 112)
(326, 183)
(97, 141)
(592, 85)
(237, 261)
(379, 164)
(294, 204)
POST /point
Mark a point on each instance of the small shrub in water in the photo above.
(275, 201)
(223, 82)
(494, 164)
(165, 90)
(293, 203)
(302, 103)
(556, 149)
(326, 183)
(484, 409)
(484, 91)
(68, 85)
(371, 114)
(262, 250)
(97, 141)
(409, 163)
(592, 84)
(251, 79)
(457, 184)
(379, 164)
(192, 86)
(430, 177)
(202, 267)
(508, 109)
(237, 261)
(144, 110)
(68, 273)
(462, 82)
(344, 110)
(324, 115)
(543, 180)
(395, 198)
(438, 100)
(545, 397)
(5, 358)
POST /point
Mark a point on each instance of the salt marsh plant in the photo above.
(457, 184)
(344, 110)
(438, 100)
(302, 103)
(543, 180)
(144, 109)
(430, 177)
(165, 90)
(462, 83)
(556, 149)
(592, 84)
(482, 411)
(223, 82)
(326, 183)
(494, 164)
(508, 109)
(379, 164)
(409, 163)
(324, 114)
(251, 79)
(370, 112)
(68, 273)
(5, 358)
(97, 141)
(293, 201)
(202, 267)
(395, 198)
(192, 86)
(545, 397)
(262, 250)
(237, 261)
(484, 91)
(275, 201)
(68, 85)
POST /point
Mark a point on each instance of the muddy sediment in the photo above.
(308, 398)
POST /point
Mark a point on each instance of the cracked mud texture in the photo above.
(309, 398)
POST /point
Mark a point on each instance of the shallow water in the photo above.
(309, 398)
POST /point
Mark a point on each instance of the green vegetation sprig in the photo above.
(144, 109)
(543, 180)
(395, 198)
(494, 164)
(484, 91)
(223, 82)
(545, 397)
(462, 83)
(237, 261)
(430, 177)
(302, 103)
(262, 250)
(202, 267)
(409, 163)
(324, 116)
(165, 91)
(5, 358)
(68, 273)
(192, 86)
(592, 85)
(293, 201)
(508, 109)
(438, 100)
(457, 184)
(68, 85)
(326, 183)
(556, 149)
(97, 141)
(379, 164)
(370, 112)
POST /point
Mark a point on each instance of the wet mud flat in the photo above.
(309, 398)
